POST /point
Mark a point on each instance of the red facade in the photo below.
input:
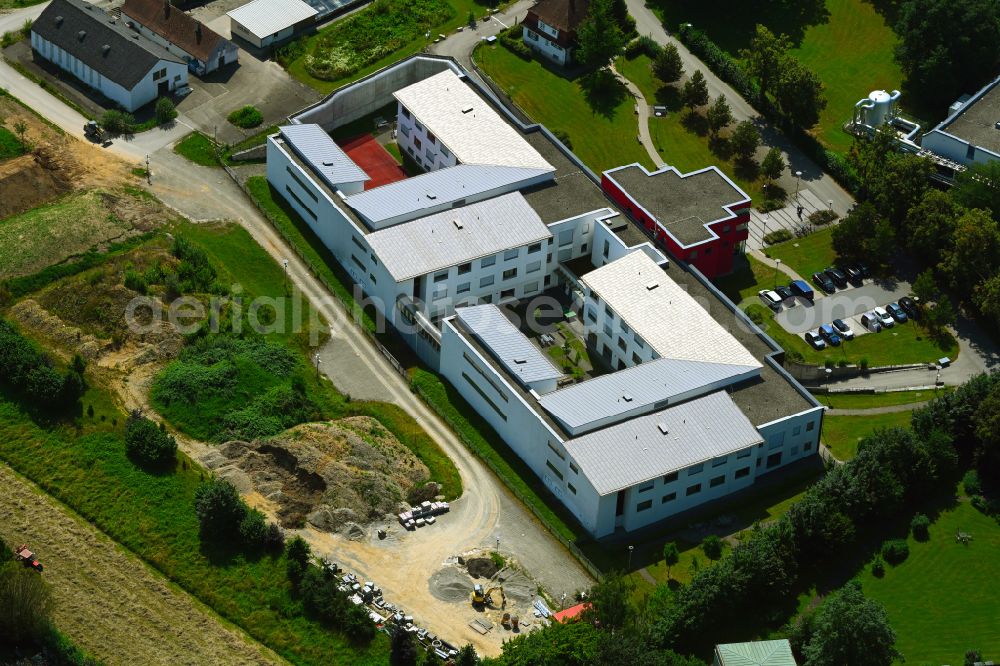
(713, 256)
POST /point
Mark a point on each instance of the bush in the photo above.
(563, 137)
(971, 483)
(778, 236)
(26, 603)
(878, 566)
(822, 217)
(712, 547)
(643, 45)
(165, 111)
(118, 122)
(254, 530)
(148, 444)
(756, 314)
(920, 527)
(895, 551)
(511, 40)
(220, 509)
(246, 117)
(297, 552)
(31, 375)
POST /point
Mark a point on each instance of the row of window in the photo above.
(715, 482)
(486, 262)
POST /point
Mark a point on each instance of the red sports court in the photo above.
(374, 159)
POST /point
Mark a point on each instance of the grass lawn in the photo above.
(869, 400)
(198, 148)
(678, 145)
(942, 600)
(842, 433)
(807, 255)
(748, 277)
(10, 145)
(603, 135)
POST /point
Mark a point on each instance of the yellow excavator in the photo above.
(485, 598)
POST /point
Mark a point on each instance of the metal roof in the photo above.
(663, 314)
(758, 653)
(644, 448)
(466, 123)
(322, 153)
(507, 343)
(267, 17)
(457, 235)
(637, 388)
(435, 188)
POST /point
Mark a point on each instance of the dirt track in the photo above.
(109, 602)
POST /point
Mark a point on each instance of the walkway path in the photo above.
(642, 116)
(762, 224)
(871, 411)
(768, 261)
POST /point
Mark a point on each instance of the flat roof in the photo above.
(267, 17)
(322, 154)
(663, 314)
(466, 124)
(508, 344)
(656, 444)
(457, 235)
(976, 121)
(640, 386)
(682, 203)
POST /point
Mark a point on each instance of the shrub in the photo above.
(297, 552)
(511, 40)
(118, 122)
(26, 603)
(895, 551)
(756, 314)
(563, 137)
(134, 281)
(971, 483)
(712, 547)
(220, 509)
(920, 527)
(148, 444)
(878, 566)
(246, 117)
(643, 45)
(254, 530)
(822, 217)
(165, 111)
(778, 236)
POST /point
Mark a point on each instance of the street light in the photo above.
(149, 174)
(630, 548)
(318, 360)
(284, 263)
(777, 267)
(798, 175)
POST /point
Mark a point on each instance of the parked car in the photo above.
(784, 292)
(897, 312)
(865, 272)
(813, 338)
(872, 322)
(844, 329)
(853, 274)
(770, 298)
(838, 277)
(884, 317)
(829, 334)
(909, 307)
(822, 281)
(802, 288)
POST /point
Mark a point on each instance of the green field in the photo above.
(603, 135)
(942, 600)
(841, 434)
(198, 148)
(679, 146)
(10, 145)
(807, 255)
(869, 400)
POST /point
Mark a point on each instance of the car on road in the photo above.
(770, 298)
(823, 281)
(844, 329)
(802, 288)
(909, 307)
(897, 312)
(853, 275)
(884, 317)
(814, 338)
(872, 322)
(829, 334)
(785, 292)
(838, 277)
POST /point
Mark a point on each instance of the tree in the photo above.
(467, 657)
(253, 528)
(118, 122)
(21, 128)
(359, 627)
(744, 141)
(979, 187)
(851, 629)
(975, 255)
(146, 443)
(987, 430)
(973, 656)
(600, 38)
(712, 547)
(719, 114)
(25, 603)
(695, 92)
(165, 111)
(920, 526)
(940, 314)
(930, 226)
(667, 65)
(560, 644)
(799, 93)
(947, 47)
(864, 236)
(986, 297)
(219, 507)
(671, 556)
(766, 56)
(44, 386)
(610, 607)
(403, 651)
(773, 165)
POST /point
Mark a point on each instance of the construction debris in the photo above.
(422, 514)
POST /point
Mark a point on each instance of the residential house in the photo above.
(550, 28)
(203, 49)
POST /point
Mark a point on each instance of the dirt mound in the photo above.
(518, 587)
(26, 182)
(481, 567)
(450, 584)
(331, 474)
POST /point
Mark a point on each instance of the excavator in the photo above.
(485, 598)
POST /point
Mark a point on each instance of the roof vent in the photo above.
(663, 427)
(627, 398)
(59, 20)
(431, 196)
(80, 35)
(467, 109)
(458, 223)
(650, 286)
(105, 49)
(327, 163)
(520, 361)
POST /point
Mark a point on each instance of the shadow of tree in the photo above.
(670, 96)
(695, 122)
(719, 145)
(746, 169)
(603, 92)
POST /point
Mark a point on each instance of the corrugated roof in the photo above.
(267, 17)
(758, 653)
(633, 388)
(323, 154)
(662, 442)
(466, 123)
(436, 241)
(435, 188)
(507, 344)
(664, 315)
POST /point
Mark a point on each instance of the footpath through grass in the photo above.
(602, 129)
(841, 434)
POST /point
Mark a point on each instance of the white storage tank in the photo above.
(881, 106)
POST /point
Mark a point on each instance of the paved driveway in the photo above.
(844, 304)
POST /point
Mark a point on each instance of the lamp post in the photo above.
(149, 174)
(798, 175)
(318, 360)
(630, 548)
(284, 263)
(777, 267)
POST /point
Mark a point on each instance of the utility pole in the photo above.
(629, 567)
(317, 359)
(149, 174)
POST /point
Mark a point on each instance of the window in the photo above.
(464, 268)
(693, 254)
(670, 478)
(444, 151)
(591, 316)
(510, 274)
(745, 453)
(583, 248)
(717, 481)
(482, 394)
(695, 469)
(740, 473)
(607, 249)
(571, 488)
(532, 36)
(807, 446)
(416, 123)
(463, 288)
(556, 451)
(441, 277)
(774, 460)
(507, 293)
(301, 203)
(531, 287)
(621, 343)
(607, 330)
(357, 262)
(404, 111)
(608, 313)
(354, 239)
(534, 267)
(638, 341)
(511, 254)
(646, 488)
(970, 152)
(565, 238)
(555, 471)
(486, 281)
(776, 441)
(693, 490)
(574, 468)
(430, 137)
(725, 229)
(440, 292)
(371, 276)
(796, 430)
(534, 248)
(636, 359)
(417, 143)
(625, 329)
(794, 451)
(810, 426)
(669, 497)
(718, 462)
(405, 129)
(487, 261)
(642, 506)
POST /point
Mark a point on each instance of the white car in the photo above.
(770, 298)
(884, 317)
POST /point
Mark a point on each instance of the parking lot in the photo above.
(799, 315)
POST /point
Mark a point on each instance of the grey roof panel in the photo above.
(129, 57)
(507, 344)
(627, 390)
(662, 442)
(269, 17)
(323, 154)
(435, 188)
(457, 235)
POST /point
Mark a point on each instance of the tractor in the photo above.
(27, 558)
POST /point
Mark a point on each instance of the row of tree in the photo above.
(32, 375)
(796, 90)
(225, 519)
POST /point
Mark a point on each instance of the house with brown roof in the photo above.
(550, 28)
(203, 49)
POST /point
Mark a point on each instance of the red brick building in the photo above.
(700, 218)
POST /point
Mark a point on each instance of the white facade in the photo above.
(543, 43)
(420, 144)
(165, 76)
(955, 149)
